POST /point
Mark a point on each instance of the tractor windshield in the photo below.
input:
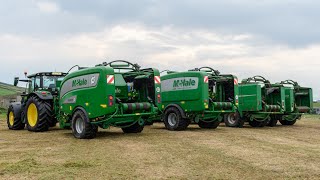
(50, 81)
(43, 83)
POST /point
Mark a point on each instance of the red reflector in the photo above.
(43, 92)
(159, 98)
(110, 100)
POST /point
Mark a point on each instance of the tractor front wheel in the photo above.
(209, 125)
(38, 114)
(174, 121)
(135, 128)
(14, 119)
(81, 127)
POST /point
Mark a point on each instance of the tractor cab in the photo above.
(43, 81)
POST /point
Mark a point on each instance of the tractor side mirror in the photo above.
(16, 80)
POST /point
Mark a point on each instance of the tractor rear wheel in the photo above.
(174, 121)
(209, 125)
(255, 123)
(232, 119)
(38, 114)
(81, 127)
(14, 119)
(135, 128)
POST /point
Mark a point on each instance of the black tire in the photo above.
(209, 125)
(173, 120)
(273, 122)
(53, 122)
(38, 121)
(81, 127)
(14, 119)
(148, 123)
(255, 123)
(135, 128)
(232, 119)
(288, 123)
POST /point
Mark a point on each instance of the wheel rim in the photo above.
(11, 118)
(231, 119)
(79, 125)
(172, 119)
(32, 115)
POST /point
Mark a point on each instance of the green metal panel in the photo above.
(88, 88)
(275, 95)
(121, 87)
(250, 98)
(186, 89)
(304, 98)
(289, 99)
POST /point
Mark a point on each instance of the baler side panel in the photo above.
(250, 98)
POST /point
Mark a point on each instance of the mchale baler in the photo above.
(299, 100)
(223, 96)
(262, 102)
(117, 94)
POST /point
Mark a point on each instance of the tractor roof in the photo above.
(48, 74)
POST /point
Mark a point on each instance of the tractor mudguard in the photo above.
(183, 114)
(46, 96)
(16, 108)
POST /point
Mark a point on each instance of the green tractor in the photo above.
(118, 94)
(261, 102)
(38, 107)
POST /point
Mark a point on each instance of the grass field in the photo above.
(316, 104)
(282, 152)
(6, 89)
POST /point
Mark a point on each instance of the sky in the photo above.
(276, 39)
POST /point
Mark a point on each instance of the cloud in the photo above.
(47, 6)
(167, 47)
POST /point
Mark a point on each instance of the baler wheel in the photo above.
(174, 121)
(14, 120)
(209, 125)
(81, 127)
(288, 123)
(38, 114)
(232, 119)
(255, 123)
(135, 128)
(273, 122)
